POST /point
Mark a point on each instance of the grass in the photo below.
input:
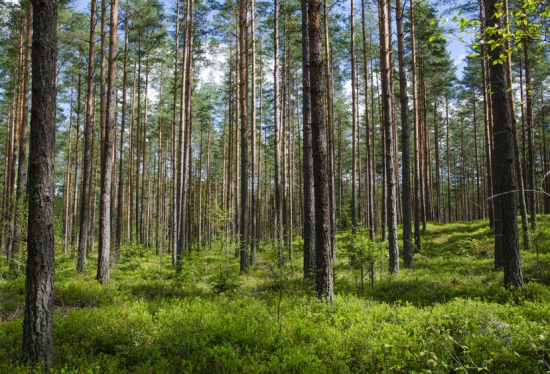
(449, 314)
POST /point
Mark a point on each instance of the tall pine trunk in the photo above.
(38, 320)
(324, 277)
(505, 182)
(308, 202)
(243, 102)
(385, 65)
(87, 162)
(107, 160)
(408, 248)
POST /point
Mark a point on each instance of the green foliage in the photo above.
(225, 282)
(449, 314)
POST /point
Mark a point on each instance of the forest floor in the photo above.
(449, 314)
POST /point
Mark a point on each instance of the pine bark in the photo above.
(505, 182)
(385, 65)
(408, 248)
(243, 101)
(104, 250)
(353, 126)
(278, 186)
(120, 202)
(87, 162)
(417, 240)
(23, 129)
(38, 320)
(253, 215)
(308, 202)
(324, 276)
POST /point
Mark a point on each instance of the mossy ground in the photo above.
(449, 314)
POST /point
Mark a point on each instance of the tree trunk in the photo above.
(309, 205)
(118, 235)
(353, 127)
(38, 320)
(505, 183)
(253, 216)
(87, 163)
(324, 276)
(107, 160)
(243, 101)
(385, 47)
(531, 167)
(278, 187)
(417, 240)
(21, 166)
(408, 248)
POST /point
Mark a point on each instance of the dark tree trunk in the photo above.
(278, 187)
(324, 276)
(309, 205)
(253, 215)
(243, 101)
(505, 182)
(408, 248)
(38, 321)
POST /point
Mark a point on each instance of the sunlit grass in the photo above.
(450, 313)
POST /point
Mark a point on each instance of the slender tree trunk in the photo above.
(23, 129)
(385, 49)
(143, 213)
(487, 120)
(374, 200)
(437, 175)
(253, 216)
(118, 236)
(353, 127)
(175, 169)
(278, 186)
(531, 168)
(186, 124)
(478, 213)
(448, 145)
(368, 158)
(67, 192)
(137, 143)
(308, 202)
(243, 101)
(330, 127)
(87, 163)
(408, 247)
(107, 160)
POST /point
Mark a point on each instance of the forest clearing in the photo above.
(267, 186)
(449, 314)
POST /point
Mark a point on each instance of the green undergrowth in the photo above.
(449, 314)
